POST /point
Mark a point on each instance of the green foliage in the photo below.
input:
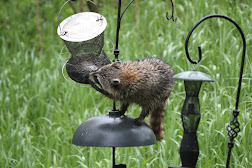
(40, 111)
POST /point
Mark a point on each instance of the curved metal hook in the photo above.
(172, 17)
(58, 20)
(233, 127)
(97, 9)
(119, 18)
(199, 48)
(126, 9)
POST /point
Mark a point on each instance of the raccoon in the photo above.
(146, 82)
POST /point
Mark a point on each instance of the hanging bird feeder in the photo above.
(83, 34)
(189, 149)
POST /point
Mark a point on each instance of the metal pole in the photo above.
(113, 153)
(116, 51)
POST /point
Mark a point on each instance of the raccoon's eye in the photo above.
(115, 82)
(96, 78)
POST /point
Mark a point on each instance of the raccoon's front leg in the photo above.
(123, 108)
(139, 121)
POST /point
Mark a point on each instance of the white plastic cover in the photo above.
(82, 27)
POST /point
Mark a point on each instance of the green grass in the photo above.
(40, 111)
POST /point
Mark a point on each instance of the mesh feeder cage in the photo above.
(83, 34)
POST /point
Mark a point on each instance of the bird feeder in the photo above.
(83, 35)
(189, 150)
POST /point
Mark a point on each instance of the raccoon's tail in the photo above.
(156, 121)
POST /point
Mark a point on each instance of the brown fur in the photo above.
(147, 83)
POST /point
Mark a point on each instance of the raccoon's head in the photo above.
(108, 77)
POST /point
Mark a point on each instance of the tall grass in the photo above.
(40, 111)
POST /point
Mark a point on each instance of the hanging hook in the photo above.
(126, 9)
(200, 53)
(62, 33)
(93, 6)
(172, 17)
(119, 18)
(233, 126)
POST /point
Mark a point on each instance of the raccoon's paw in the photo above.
(121, 112)
(138, 121)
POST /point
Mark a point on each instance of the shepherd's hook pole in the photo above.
(233, 127)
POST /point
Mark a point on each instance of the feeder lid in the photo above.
(82, 27)
(193, 76)
(113, 131)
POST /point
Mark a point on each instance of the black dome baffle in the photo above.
(113, 130)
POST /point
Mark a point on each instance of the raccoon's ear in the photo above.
(93, 76)
(115, 82)
(116, 65)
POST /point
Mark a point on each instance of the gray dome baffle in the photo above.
(113, 131)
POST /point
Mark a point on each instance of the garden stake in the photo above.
(233, 127)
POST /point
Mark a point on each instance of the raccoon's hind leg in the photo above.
(139, 121)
